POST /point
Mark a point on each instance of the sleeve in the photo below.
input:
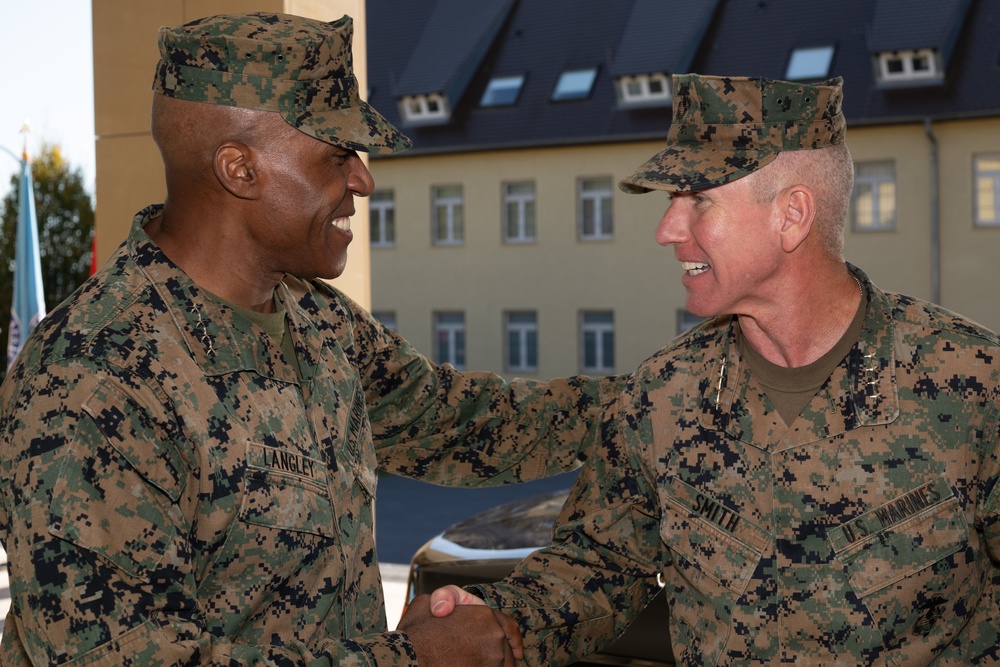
(579, 594)
(465, 428)
(104, 569)
(989, 487)
(988, 519)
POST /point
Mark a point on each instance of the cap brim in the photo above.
(359, 128)
(688, 168)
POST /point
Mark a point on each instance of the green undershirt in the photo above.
(275, 325)
(791, 389)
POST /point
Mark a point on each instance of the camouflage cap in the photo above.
(727, 127)
(300, 68)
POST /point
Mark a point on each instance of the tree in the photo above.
(65, 230)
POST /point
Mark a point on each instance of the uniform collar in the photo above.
(219, 339)
(867, 394)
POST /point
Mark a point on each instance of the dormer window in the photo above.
(809, 64)
(908, 65)
(502, 91)
(644, 89)
(424, 109)
(575, 84)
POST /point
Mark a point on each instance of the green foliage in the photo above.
(65, 231)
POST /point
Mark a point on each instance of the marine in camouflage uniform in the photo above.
(175, 492)
(864, 530)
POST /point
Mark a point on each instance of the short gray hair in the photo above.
(829, 171)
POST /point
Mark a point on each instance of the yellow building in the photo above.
(922, 105)
(501, 240)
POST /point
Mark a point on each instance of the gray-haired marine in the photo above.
(191, 441)
(811, 473)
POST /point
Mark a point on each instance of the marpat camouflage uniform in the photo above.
(866, 532)
(173, 494)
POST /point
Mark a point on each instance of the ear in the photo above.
(798, 213)
(236, 170)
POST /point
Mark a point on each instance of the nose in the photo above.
(360, 180)
(673, 227)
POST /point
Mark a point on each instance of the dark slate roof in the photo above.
(542, 38)
(642, 48)
(451, 46)
(917, 24)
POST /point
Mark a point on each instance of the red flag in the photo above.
(93, 254)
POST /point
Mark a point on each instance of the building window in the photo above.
(597, 341)
(522, 341)
(449, 335)
(575, 84)
(502, 91)
(686, 320)
(447, 215)
(596, 221)
(424, 109)
(987, 175)
(382, 211)
(811, 63)
(519, 212)
(908, 65)
(644, 89)
(873, 205)
(387, 318)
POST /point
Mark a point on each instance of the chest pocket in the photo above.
(286, 490)
(910, 562)
(715, 553)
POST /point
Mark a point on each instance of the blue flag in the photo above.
(28, 305)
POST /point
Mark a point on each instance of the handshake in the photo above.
(452, 627)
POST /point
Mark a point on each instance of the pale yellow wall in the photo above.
(901, 260)
(970, 272)
(129, 171)
(558, 276)
(896, 260)
(640, 281)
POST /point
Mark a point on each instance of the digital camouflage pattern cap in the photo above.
(300, 68)
(726, 127)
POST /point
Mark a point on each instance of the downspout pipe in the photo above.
(935, 210)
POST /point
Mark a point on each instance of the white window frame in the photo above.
(595, 328)
(575, 84)
(447, 215)
(521, 338)
(874, 197)
(986, 190)
(809, 63)
(519, 213)
(907, 65)
(594, 222)
(382, 214)
(449, 338)
(639, 89)
(424, 108)
(498, 91)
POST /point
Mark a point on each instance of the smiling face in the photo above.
(728, 245)
(308, 189)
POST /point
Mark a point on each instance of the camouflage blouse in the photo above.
(867, 531)
(173, 492)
